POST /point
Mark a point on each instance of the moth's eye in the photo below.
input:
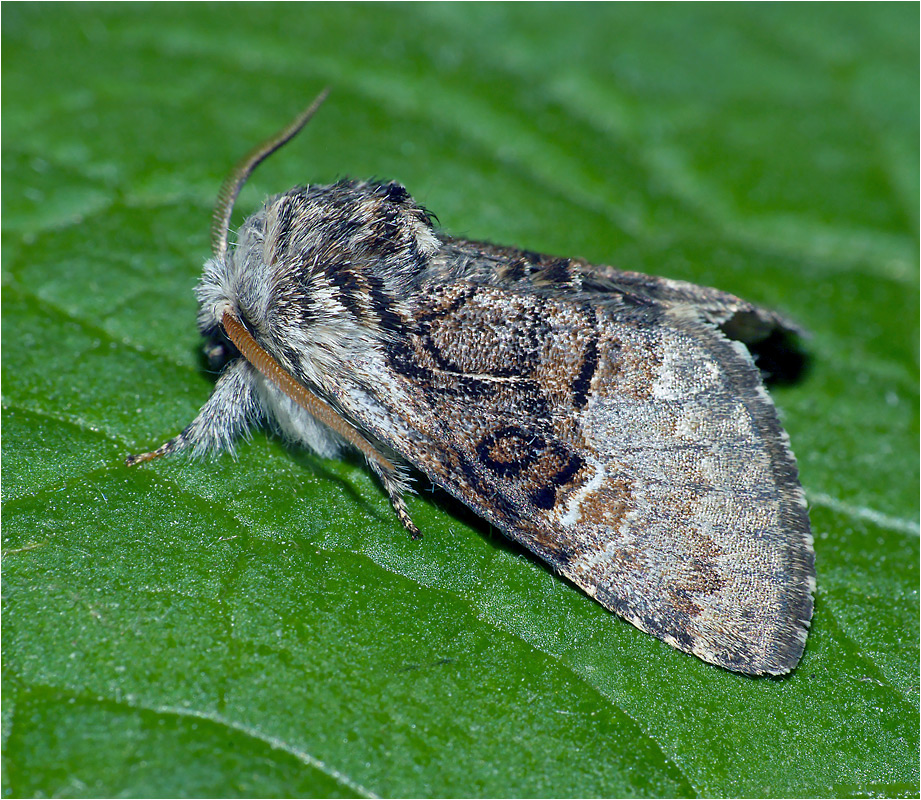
(218, 349)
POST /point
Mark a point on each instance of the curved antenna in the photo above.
(233, 183)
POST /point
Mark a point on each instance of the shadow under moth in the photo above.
(612, 423)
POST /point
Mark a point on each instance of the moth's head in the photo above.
(318, 252)
(315, 255)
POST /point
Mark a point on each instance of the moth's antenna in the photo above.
(233, 183)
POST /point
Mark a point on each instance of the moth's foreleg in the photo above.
(229, 413)
(179, 442)
(395, 484)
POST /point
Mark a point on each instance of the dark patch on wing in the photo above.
(556, 272)
(466, 387)
(403, 361)
(673, 625)
(499, 505)
(516, 269)
(456, 304)
(583, 382)
(545, 496)
(428, 343)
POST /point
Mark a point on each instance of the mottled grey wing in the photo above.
(510, 267)
(629, 444)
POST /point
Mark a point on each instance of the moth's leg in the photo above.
(395, 484)
(229, 413)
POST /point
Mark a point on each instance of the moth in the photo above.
(612, 423)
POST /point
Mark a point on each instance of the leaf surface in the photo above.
(264, 627)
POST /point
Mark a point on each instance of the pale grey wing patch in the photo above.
(694, 514)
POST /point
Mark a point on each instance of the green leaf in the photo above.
(265, 626)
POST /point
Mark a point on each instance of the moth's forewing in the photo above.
(621, 438)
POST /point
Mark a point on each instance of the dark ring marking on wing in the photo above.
(510, 450)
